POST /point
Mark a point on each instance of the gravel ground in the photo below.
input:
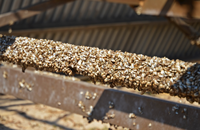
(17, 114)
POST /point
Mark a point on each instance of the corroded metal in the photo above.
(116, 68)
(69, 95)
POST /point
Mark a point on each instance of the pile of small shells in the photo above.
(116, 68)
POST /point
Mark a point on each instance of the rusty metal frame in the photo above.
(96, 102)
(11, 17)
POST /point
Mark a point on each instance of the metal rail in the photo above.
(187, 29)
(129, 2)
(11, 17)
(95, 102)
(171, 8)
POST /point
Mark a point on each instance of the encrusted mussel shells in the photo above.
(137, 71)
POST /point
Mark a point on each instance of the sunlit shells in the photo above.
(116, 68)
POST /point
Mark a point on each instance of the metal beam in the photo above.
(187, 29)
(171, 8)
(95, 102)
(26, 12)
(39, 29)
(129, 2)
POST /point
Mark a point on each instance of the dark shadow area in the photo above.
(16, 99)
(3, 127)
(24, 115)
(61, 117)
(25, 104)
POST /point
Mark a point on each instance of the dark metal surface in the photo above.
(20, 14)
(171, 8)
(151, 113)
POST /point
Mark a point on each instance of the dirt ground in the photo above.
(18, 114)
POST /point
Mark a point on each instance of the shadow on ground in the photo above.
(11, 108)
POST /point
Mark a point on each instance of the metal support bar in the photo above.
(26, 12)
(64, 28)
(172, 8)
(129, 2)
(187, 29)
(95, 102)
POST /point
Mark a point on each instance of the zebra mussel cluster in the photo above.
(116, 68)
